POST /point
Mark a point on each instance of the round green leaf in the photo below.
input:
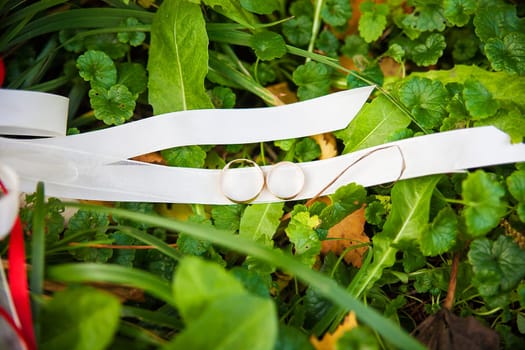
(336, 12)
(429, 51)
(186, 156)
(507, 54)
(98, 68)
(133, 76)
(441, 234)
(133, 38)
(298, 30)
(516, 185)
(259, 7)
(478, 100)
(268, 45)
(113, 106)
(458, 12)
(313, 80)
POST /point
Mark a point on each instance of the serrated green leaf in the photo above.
(403, 227)
(114, 106)
(498, 265)
(427, 16)
(413, 259)
(260, 221)
(372, 22)
(233, 10)
(185, 156)
(313, 80)
(265, 7)
(479, 100)
(247, 322)
(484, 205)
(307, 149)
(252, 281)
(86, 226)
(80, 318)
(298, 30)
(124, 257)
(345, 200)
(133, 76)
(107, 43)
(301, 233)
(496, 21)
(508, 120)
(223, 97)
(227, 217)
(328, 43)
(426, 99)
(301, 8)
(336, 12)
(291, 338)
(372, 73)
(516, 185)
(354, 46)
(440, 236)
(372, 126)
(176, 74)
(97, 68)
(268, 45)
(133, 38)
(466, 47)
(189, 245)
(458, 12)
(198, 283)
(428, 50)
(507, 54)
(396, 52)
(375, 213)
(458, 116)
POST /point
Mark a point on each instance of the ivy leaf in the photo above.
(426, 99)
(107, 43)
(509, 120)
(507, 54)
(302, 8)
(372, 126)
(516, 185)
(124, 257)
(313, 80)
(189, 245)
(133, 38)
(396, 52)
(301, 233)
(345, 200)
(498, 265)
(372, 22)
(113, 106)
(458, 116)
(458, 12)
(75, 315)
(259, 222)
(478, 100)
(496, 21)
(484, 206)
(223, 97)
(97, 68)
(354, 46)
(298, 30)
(427, 16)
(185, 156)
(373, 73)
(268, 45)
(429, 49)
(261, 7)
(336, 12)
(176, 75)
(307, 149)
(440, 236)
(133, 76)
(328, 43)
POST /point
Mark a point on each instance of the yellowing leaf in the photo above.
(346, 233)
(327, 143)
(329, 340)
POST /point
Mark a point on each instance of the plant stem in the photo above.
(315, 27)
(451, 292)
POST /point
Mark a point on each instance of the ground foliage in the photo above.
(439, 65)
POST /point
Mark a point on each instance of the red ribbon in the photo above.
(17, 279)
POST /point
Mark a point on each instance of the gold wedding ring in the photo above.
(285, 180)
(244, 184)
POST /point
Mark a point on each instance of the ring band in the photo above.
(285, 180)
(242, 185)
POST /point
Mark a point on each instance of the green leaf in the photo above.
(458, 116)
(427, 16)
(484, 205)
(516, 185)
(80, 318)
(345, 201)
(185, 156)
(372, 126)
(227, 217)
(265, 7)
(176, 74)
(133, 76)
(298, 30)
(410, 212)
(428, 50)
(98, 68)
(336, 12)
(291, 338)
(233, 10)
(108, 43)
(372, 73)
(301, 233)
(478, 100)
(372, 22)
(313, 80)
(198, 283)
(426, 99)
(328, 43)
(458, 12)
(509, 120)
(301, 8)
(192, 246)
(307, 149)
(360, 338)
(496, 21)
(124, 257)
(133, 38)
(268, 45)
(260, 221)
(440, 236)
(223, 97)
(507, 54)
(114, 106)
(86, 226)
(396, 52)
(246, 322)
(498, 265)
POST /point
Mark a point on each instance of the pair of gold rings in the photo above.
(285, 181)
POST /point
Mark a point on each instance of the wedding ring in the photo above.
(241, 185)
(285, 180)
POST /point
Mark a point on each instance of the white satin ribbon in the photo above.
(94, 166)
(8, 202)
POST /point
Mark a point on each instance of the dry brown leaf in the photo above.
(349, 231)
(390, 68)
(329, 340)
(282, 92)
(328, 145)
(154, 158)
